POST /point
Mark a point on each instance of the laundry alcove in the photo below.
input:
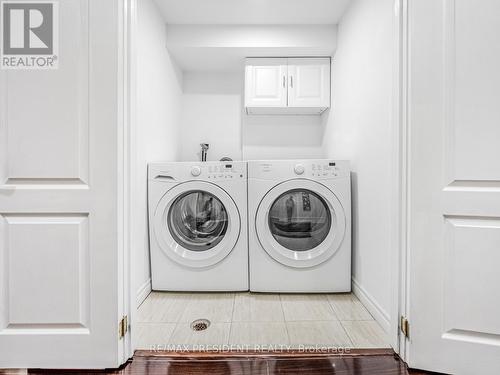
(191, 89)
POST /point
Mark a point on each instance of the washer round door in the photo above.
(196, 224)
(300, 223)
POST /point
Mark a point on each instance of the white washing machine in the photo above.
(299, 226)
(198, 226)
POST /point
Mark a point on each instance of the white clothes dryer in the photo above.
(299, 226)
(198, 226)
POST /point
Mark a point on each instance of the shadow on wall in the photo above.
(354, 216)
(283, 137)
(211, 113)
(212, 84)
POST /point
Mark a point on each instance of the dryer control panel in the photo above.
(326, 169)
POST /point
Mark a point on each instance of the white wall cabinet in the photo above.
(265, 83)
(309, 83)
(287, 85)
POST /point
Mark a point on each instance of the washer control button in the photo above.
(299, 169)
(196, 171)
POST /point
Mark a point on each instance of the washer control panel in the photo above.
(203, 171)
(224, 171)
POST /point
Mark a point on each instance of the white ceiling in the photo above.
(224, 47)
(253, 12)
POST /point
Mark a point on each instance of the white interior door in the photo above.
(266, 82)
(309, 82)
(454, 106)
(59, 199)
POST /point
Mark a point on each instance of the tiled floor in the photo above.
(257, 321)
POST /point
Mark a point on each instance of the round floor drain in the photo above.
(200, 324)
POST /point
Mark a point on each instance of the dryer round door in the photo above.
(196, 224)
(300, 223)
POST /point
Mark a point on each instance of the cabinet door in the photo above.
(265, 82)
(309, 82)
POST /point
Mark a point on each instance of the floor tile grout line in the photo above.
(288, 335)
(231, 322)
(284, 320)
(348, 336)
(359, 320)
(189, 297)
(320, 298)
(331, 307)
(350, 342)
(282, 308)
(357, 302)
(364, 307)
(232, 309)
(170, 335)
(379, 338)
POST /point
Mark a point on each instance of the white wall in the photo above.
(159, 90)
(211, 113)
(360, 129)
(282, 137)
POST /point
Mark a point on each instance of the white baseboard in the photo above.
(143, 292)
(373, 307)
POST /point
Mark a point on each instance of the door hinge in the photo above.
(123, 327)
(405, 326)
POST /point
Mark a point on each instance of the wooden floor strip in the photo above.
(295, 353)
(293, 362)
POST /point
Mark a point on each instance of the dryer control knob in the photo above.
(196, 171)
(299, 169)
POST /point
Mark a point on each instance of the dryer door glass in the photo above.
(299, 220)
(197, 220)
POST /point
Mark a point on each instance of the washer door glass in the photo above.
(197, 220)
(299, 220)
